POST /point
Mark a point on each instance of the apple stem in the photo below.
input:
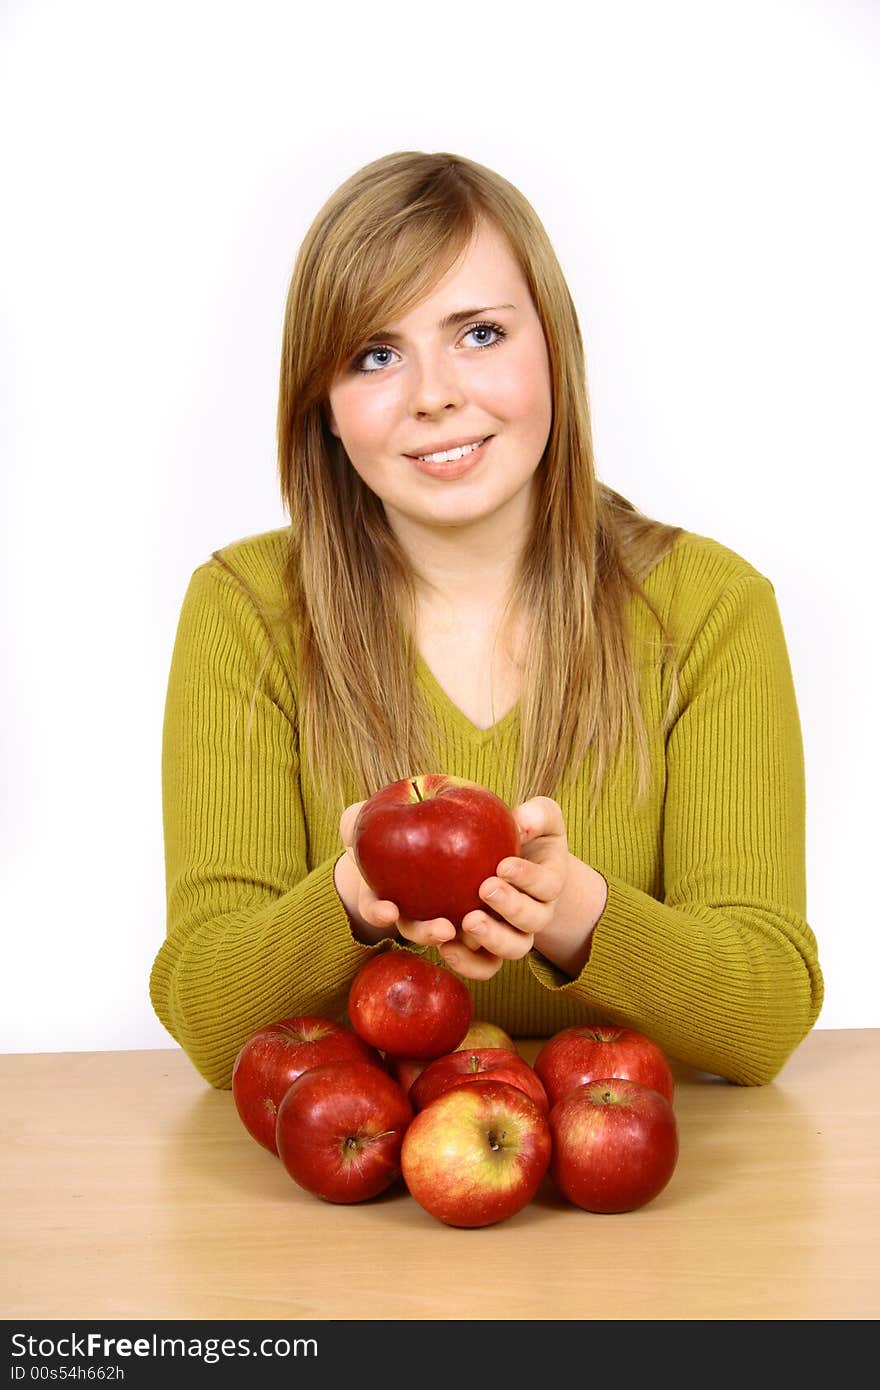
(417, 790)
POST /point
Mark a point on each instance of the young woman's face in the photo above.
(469, 363)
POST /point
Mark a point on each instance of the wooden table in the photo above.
(130, 1190)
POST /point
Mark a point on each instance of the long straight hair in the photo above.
(379, 245)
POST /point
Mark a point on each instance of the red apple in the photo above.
(272, 1059)
(457, 1068)
(615, 1145)
(482, 1033)
(340, 1128)
(590, 1052)
(406, 1069)
(476, 1154)
(427, 843)
(407, 1006)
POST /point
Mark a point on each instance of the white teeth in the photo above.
(450, 454)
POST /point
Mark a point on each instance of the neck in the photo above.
(468, 567)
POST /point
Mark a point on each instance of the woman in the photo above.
(456, 592)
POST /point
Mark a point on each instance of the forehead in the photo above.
(485, 273)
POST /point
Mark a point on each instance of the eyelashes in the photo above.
(483, 326)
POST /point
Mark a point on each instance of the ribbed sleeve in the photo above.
(703, 943)
(254, 933)
(723, 972)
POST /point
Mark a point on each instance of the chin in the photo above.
(470, 507)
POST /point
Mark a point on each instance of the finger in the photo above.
(540, 880)
(428, 933)
(513, 907)
(539, 816)
(378, 912)
(501, 939)
(471, 965)
(347, 822)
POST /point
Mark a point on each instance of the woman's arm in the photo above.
(252, 934)
(724, 972)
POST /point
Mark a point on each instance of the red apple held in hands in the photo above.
(407, 1006)
(590, 1052)
(615, 1145)
(427, 843)
(457, 1068)
(272, 1059)
(340, 1129)
(482, 1033)
(477, 1154)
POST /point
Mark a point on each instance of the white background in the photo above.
(707, 173)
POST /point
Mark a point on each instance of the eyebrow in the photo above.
(451, 320)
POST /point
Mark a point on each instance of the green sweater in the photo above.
(703, 943)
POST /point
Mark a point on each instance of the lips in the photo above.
(455, 468)
(447, 445)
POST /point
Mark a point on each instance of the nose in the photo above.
(436, 384)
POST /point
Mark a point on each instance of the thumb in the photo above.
(537, 817)
(347, 822)
(526, 829)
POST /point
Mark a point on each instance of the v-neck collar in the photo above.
(457, 715)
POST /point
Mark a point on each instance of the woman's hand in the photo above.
(546, 899)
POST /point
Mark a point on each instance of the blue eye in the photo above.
(370, 352)
(487, 328)
(380, 349)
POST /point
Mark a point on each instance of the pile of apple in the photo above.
(413, 1088)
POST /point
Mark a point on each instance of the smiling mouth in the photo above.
(447, 455)
(452, 463)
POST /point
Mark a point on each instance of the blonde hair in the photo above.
(379, 245)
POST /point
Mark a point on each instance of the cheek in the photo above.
(527, 393)
(363, 422)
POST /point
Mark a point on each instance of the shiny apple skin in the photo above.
(272, 1059)
(340, 1129)
(458, 1068)
(615, 1145)
(591, 1051)
(427, 843)
(404, 1005)
(477, 1154)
